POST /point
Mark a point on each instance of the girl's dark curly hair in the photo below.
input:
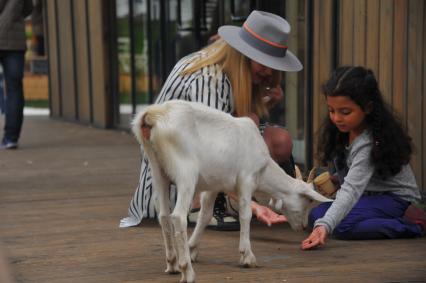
(392, 146)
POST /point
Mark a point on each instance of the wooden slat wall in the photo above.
(66, 66)
(359, 23)
(387, 36)
(82, 61)
(322, 61)
(99, 63)
(415, 85)
(423, 117)
(372, 35)
(346, 23)
(385, 48)
(400, 58)
(292, 77)
(77, 61)
(54, 78)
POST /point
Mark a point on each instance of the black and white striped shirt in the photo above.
(209, 86)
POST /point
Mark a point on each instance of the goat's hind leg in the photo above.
(168, 232)
(179, 220)
(204, 217)
(162, 186)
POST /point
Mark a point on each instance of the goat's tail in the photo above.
(145, 120)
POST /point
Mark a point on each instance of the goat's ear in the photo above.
(314, 195)
(298, 173)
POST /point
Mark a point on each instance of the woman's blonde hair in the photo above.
(236, 66)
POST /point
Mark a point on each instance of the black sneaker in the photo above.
(222, 220)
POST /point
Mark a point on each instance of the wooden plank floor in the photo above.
(62, 195)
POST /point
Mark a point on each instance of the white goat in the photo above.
(202, 149)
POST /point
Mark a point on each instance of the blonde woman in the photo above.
(238, 74)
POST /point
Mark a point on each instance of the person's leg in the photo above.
(1, 93)
(381, 228)
(373, 217)
(377, 217)
(318, 212)
(13, 68)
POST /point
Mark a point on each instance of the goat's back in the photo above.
(220, 146)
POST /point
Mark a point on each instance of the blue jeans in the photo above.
(372, 217)
(13, 69)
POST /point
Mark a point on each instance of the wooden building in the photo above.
(108, 58)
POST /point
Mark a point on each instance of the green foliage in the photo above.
(44, 103)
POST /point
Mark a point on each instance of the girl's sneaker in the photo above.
(416, 215)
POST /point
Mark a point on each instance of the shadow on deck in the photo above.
(64, 191)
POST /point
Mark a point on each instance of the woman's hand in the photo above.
(272, 96)
(263, 213)
(317, 238)
(266, 215)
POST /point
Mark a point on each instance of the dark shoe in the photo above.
(416, 215)
(8, 144)
(222, 220)
(193, 216)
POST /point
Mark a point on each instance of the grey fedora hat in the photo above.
(263, 38)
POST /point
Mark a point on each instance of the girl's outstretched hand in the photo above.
(316, 238)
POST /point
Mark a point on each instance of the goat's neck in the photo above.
(277, 183)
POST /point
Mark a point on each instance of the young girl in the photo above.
(371, 153)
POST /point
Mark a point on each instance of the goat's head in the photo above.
(297, 205)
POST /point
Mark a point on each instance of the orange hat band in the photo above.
(262, 44)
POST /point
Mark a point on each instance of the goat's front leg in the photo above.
(205, 215)
(247, 258)
(179, 219)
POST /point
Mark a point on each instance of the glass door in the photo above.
(132, 58)
(152, 35)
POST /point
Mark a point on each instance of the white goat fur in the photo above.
(202, 149)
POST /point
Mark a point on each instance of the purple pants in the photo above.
(372, 217)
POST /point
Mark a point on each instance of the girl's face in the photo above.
(346, 115)
(260, 74)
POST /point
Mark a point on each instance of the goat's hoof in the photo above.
(250, 265)
(248, 261)
(188, 276)
(172, 269)
(172, 266)
(193, 253)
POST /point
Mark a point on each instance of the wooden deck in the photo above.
(64, 191)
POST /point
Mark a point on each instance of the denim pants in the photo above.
(372, 217)
(13, 69)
